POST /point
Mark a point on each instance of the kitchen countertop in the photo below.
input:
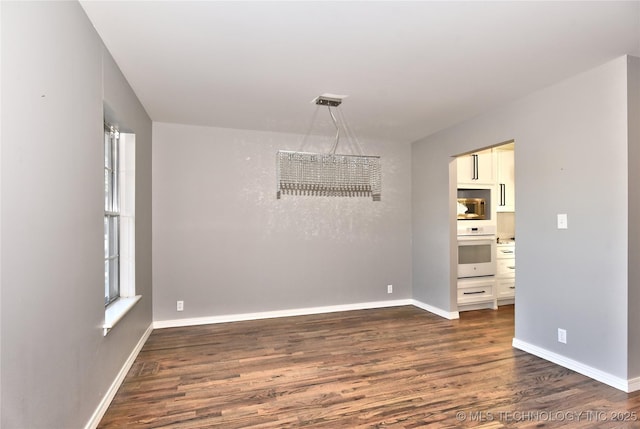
(506, 241)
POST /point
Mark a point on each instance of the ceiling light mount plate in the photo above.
(331, 100)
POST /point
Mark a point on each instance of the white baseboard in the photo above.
(451, 315)
(159, 324)
(111, 392)
(634, 385)
(627, 386)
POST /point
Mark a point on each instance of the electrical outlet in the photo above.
(389, 288)
(562, 221)
(180, 305)
(562, 336)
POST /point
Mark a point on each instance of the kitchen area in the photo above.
(486, 228)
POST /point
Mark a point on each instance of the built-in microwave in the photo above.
(472, 208)
(476, 252)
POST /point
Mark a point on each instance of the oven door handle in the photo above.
(475, 238)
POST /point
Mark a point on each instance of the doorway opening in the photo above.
(485, 212)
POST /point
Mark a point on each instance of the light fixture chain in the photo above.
(335, 123)
(313, 119)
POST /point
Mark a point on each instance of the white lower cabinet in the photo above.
(476, 292)
(506, 267)
(506, 273)
(506, 288)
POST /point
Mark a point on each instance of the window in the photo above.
(111, 215)
(119, 225)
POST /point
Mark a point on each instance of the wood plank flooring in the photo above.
(398, 367)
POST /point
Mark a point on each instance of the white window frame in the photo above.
(111, 214)
(116, 310)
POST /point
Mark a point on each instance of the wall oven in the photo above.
(476, 252)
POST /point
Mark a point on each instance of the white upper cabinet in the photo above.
(476, 168)
(505, 179)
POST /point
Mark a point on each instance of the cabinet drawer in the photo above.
(476, 291)
(505, 251)
(505, 267)
(506, 288)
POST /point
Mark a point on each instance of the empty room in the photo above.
(239, 214)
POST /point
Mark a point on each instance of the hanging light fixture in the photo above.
(329, 174)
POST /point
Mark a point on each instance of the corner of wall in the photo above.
(633, 310)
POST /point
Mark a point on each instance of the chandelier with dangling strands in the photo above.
(329, 174)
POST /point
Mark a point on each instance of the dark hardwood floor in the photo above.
(397, 367)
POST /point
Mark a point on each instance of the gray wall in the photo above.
(432, 257)
(571, 157)
(225, 245)
(633, 118)
(56, 365)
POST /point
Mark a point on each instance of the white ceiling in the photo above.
(409, 68)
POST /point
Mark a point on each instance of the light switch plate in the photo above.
(562, 221)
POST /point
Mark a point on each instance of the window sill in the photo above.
(116, 311)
